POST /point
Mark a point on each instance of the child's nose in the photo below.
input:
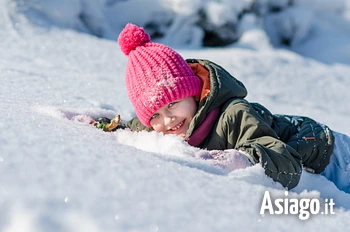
(168, 119)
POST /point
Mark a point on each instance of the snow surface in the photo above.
(59, 174)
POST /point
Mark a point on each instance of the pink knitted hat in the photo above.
(156, 75)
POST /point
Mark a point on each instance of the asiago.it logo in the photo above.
(302, 207)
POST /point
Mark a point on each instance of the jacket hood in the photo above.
(223, 86)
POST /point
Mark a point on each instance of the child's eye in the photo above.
(171, 104)
(154, 116)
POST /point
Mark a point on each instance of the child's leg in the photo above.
(338, 170)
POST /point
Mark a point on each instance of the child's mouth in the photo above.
(178, 126)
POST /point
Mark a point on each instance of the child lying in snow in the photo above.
(201, 102)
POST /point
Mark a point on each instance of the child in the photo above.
(201, 102)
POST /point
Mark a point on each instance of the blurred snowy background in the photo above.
(196, 23)
(59, 59)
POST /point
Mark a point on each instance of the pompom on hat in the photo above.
(156, 75)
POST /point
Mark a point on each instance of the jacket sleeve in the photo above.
(246, 131)
(134, 125)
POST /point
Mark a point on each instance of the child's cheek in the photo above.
(157, 128)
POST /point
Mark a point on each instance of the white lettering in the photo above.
(331, 204)
(314, 206)
(266, 204)
(279, 205)
(294, 208)
(303, 207)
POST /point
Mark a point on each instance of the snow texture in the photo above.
(59, 173)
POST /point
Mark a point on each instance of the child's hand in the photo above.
(107, 124)
(229, 160)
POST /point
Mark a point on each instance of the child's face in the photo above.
(175, 117)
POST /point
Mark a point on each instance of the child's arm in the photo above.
(229, 160)
(109, 125)
(246, 131)
(135, 125)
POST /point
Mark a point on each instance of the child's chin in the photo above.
(182, 135)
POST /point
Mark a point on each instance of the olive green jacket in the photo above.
(281, 143)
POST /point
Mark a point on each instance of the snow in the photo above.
(60, 174)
